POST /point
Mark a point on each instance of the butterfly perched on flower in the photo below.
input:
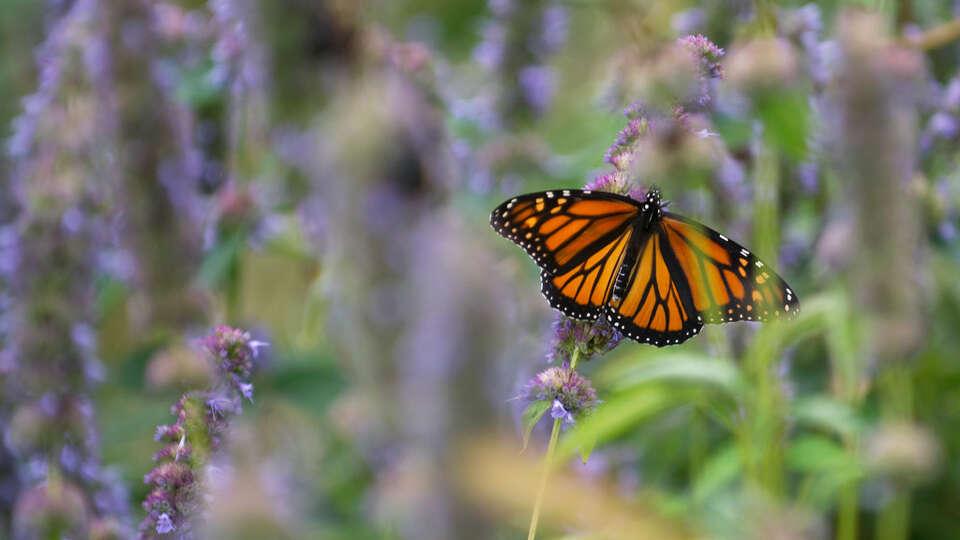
(656, 276)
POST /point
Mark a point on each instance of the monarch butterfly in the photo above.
(657, 277)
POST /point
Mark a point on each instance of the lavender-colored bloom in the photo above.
(202, 418)
(518, 39)
(591, 338)
(943, 125)
(538, 84)
(557, 412)
(688, 21)
(615, 182)
(803, 26)
(554, 29)
(570, 393)
(619, 154)
(247, 390)
(164, 524)
(707, 54)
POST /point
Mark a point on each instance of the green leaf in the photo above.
(721, 469)
(218, 262)
(588, 445)
(815, 453)
(531, 415)
(685, 367)
(614, 417)
(786, 122)
(735, 131)
(829, 414)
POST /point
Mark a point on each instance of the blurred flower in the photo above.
(707, 54)
(762, 65)
(620, 153)
(54, 509)
(906, 452)
(677, 149)
(688, 21)
(518, 39)
(661, 78)
(537, 83)
(178, 365)
(570, 393)
(803, 27)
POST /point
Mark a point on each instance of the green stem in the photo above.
(543, 479)
(548, 462)
(848, 512)
(896, 388)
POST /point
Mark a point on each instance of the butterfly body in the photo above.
(658, 277)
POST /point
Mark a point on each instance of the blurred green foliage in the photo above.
(732, 433)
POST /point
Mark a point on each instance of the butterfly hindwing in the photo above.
(654, 306)
(727, 282)
(560, 229)
(582, 291)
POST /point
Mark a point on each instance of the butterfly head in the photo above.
(652, 206)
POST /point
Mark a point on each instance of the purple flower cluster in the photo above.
(707, 54)
(202, 419)
(235, 351)
(619, 153)
(569, 392)
(591, 338)
(518, 40)
(616, 182)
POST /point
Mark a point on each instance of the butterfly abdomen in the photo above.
(626, 269)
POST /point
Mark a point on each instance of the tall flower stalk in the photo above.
(548, 458)
(61, 186)
(561, 390)
(175, 502)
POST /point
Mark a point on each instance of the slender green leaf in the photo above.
(685, 367)
(614, 417)
(720, 470)
(829, 414)
(531, 415)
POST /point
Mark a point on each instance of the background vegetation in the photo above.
(321, 174)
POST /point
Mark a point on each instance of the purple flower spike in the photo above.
(707, 53)
(619, 154)
(202, 420)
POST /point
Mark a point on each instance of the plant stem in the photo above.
(548, 462)
(848, 512)
(896, 386)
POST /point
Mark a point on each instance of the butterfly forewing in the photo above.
(561, 229)
(727, 282)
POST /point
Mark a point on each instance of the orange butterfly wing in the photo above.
(653, 305)
(578, 237)
(727, 282)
